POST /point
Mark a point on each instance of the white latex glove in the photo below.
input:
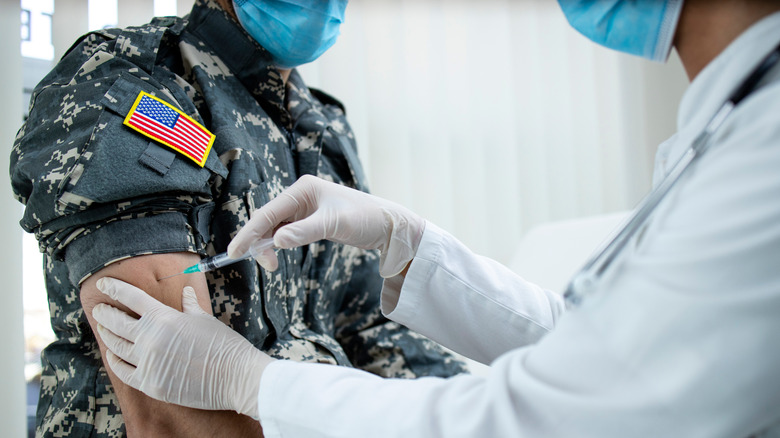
(317, 209)
(188, 358)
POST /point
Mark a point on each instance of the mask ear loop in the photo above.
(663, 47)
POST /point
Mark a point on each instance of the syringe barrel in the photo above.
(216, 262)
(220, 260)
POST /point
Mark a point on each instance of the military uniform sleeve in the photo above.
(95, 190)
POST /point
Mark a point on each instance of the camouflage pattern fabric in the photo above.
(96, 192)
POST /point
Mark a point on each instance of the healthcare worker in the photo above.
(679, 337)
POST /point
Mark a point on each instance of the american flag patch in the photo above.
(159, 120)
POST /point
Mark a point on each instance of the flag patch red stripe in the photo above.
(160, 121)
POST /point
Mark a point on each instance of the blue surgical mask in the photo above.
(295, 32)
(644, 28)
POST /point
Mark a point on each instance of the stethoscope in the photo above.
(585, 281)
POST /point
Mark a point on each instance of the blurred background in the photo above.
(490, 118)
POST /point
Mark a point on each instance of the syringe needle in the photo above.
(222, 259)
(160, 279)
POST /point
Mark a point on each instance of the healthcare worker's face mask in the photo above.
(295, 32)
(640, 27)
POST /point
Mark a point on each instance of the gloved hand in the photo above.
(318, 210)
(188, 358)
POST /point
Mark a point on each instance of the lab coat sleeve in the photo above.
(459, 299)
(680, 341)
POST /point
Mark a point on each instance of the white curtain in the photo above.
(491, 117)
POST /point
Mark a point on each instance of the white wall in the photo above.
(13, 400)
(135, 12)
(69, 22)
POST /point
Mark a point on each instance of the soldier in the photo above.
(145, 150)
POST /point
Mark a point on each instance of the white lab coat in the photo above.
(682, 339)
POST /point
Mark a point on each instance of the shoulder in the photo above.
(754, 129)
(721, 216)
(78, 56)
(136, 44)
(86, 44)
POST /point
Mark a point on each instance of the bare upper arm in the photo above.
(143, 272)
(143, 415)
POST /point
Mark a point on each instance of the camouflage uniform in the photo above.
(97, 191)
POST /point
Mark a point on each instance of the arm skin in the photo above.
(144, 416)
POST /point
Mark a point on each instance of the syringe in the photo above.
(221, 260)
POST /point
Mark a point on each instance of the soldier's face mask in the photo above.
(644, 28)
(295, 32)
